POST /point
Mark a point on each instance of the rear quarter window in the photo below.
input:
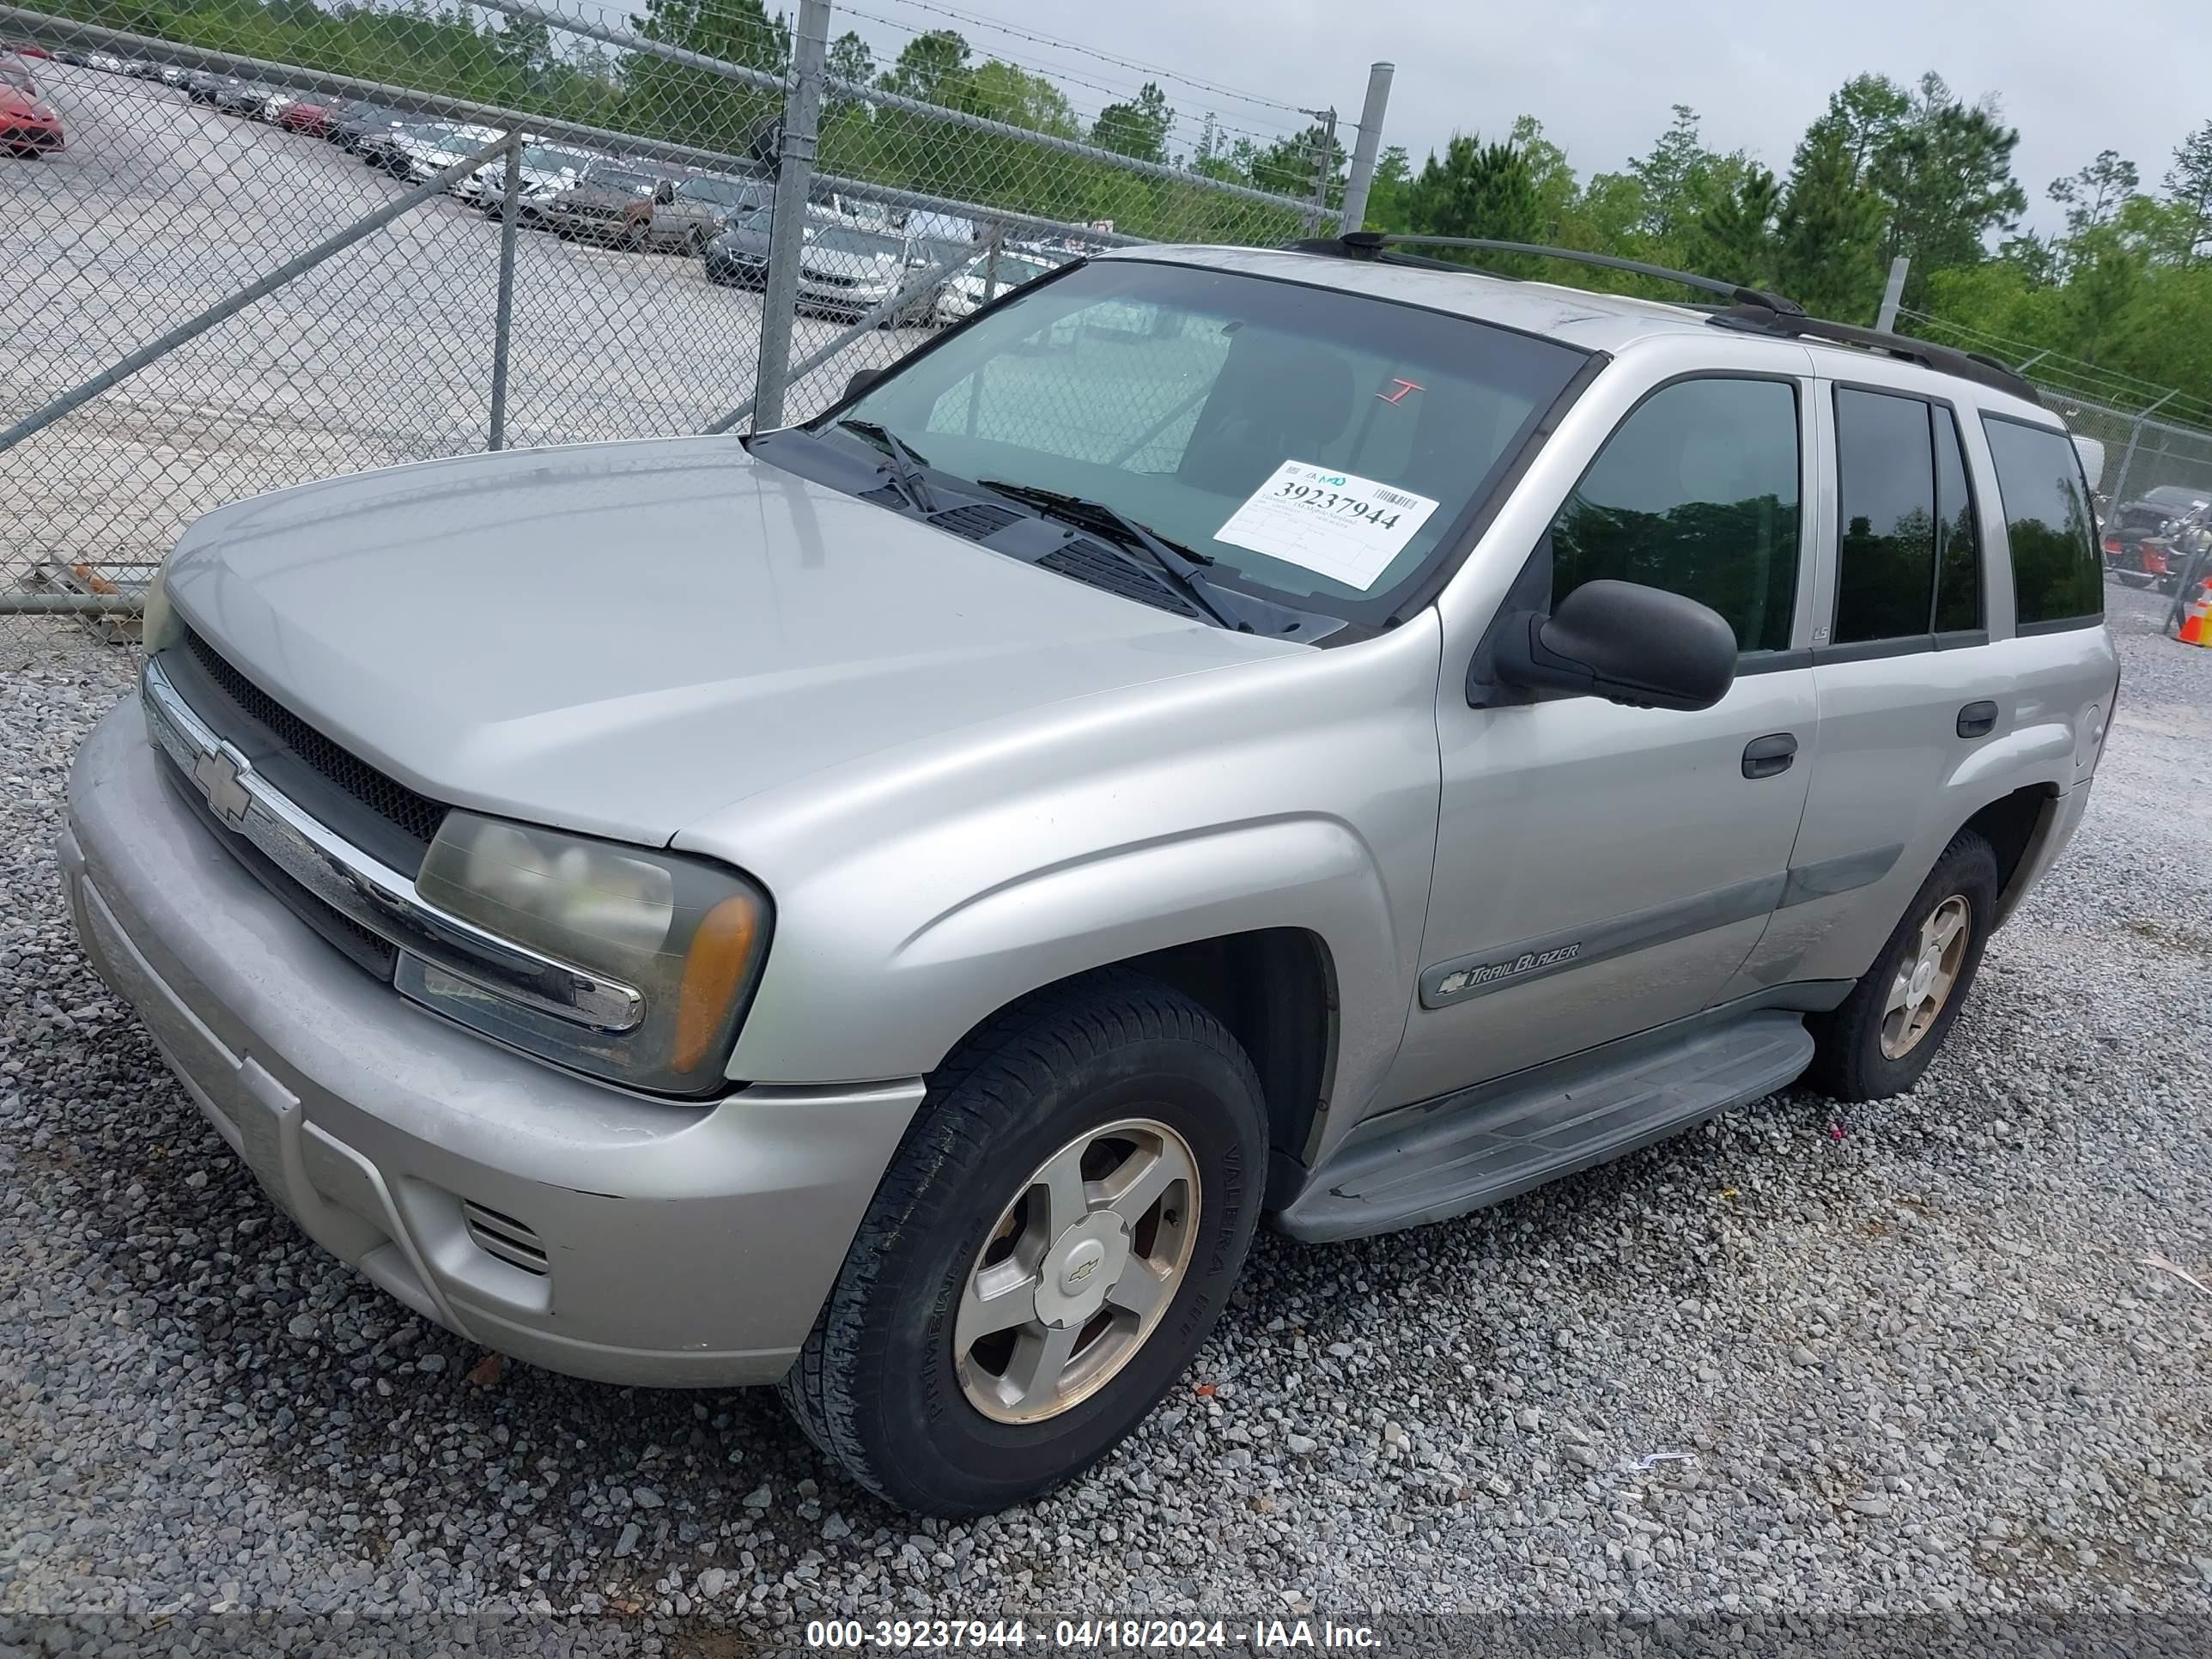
(2055, 574)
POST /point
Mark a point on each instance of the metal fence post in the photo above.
(991, 265)
(510, 211)
(802, 109)
(1353, 213)
(1324, 156)
(1892, 294)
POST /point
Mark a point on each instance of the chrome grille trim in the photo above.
(363, 889)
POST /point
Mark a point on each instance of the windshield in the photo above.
(857, 242)
(1311, 442)
(617, 178)
(546, 159)
(1011, 272)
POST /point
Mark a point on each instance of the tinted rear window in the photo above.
(2055, 574)
(1886, 568)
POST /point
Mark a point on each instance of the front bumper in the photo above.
(674, 1244)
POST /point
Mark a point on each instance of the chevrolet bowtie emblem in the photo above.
(219, 773)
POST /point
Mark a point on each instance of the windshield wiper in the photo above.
(903, 464)
(1177, 567)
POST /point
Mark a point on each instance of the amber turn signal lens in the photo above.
(715, 966)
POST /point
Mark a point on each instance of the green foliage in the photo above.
(1137, 130)
(1828, 256)
(718, 112)
(2189, 187)
(1946, 172)
(1477, 190)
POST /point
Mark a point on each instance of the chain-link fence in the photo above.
(262, 243)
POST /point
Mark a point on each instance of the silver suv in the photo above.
(887, 905)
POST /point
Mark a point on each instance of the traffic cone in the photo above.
(2197, 618)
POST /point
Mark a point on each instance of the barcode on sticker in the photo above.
(1394, 498)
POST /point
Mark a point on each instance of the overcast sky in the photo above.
(2073, 77)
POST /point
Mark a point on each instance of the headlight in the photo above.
(157, 623)
(684, 935)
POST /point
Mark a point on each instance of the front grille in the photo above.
(504, 1236)
(832, 279)
(368, 950)
(416, 816)
(1101, 567)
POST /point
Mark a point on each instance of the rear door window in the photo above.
(2056, 578)
(1908, 551)
(1958, 537)
(1885, 547)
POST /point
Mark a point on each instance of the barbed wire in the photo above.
(1151, 70)
(1063, 78)
(2183, 407)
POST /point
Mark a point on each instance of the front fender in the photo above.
(818, 1018)
(917, 895)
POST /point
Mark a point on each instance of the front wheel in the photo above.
(1060, 1228)
(1882, 1036)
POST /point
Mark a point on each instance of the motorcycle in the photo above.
(2188, 542)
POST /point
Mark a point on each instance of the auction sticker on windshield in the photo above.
(1337, 525)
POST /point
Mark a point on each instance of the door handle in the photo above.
(1765, 757)
(1977, 720)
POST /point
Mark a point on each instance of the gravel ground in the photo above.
(1913, 1351)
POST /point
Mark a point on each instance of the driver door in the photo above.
(1601, 870)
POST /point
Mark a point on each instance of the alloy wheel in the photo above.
(1925, 978)
(1080, 1268)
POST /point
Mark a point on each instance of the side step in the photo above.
(1486, 1144)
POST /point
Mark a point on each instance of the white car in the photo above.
(544, 168)
(973, 283)
(416, 153)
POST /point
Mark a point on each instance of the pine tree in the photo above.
(1827, 253)
(2189, 187)
(1477, 190)
(2092, 197)
(1735, 237)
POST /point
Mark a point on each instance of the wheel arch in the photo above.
(2019, 828)
(1275, 989)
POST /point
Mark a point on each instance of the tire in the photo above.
(879, 1387)
(2135, 579)
(1861, 1051)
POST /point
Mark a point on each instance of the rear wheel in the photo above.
(1061, 1226)
(1884, 1035)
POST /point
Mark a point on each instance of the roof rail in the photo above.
(1973, 366)
(1372, 244)
(1754, 309)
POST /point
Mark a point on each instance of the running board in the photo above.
(1486, 1144)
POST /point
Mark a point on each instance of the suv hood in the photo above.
(622, 638)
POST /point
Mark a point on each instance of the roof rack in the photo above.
(1753, 310)
(1372, 244)
(1973, 366)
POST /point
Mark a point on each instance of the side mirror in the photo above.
(1625, 642)
(663, 194)
(859, 380)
